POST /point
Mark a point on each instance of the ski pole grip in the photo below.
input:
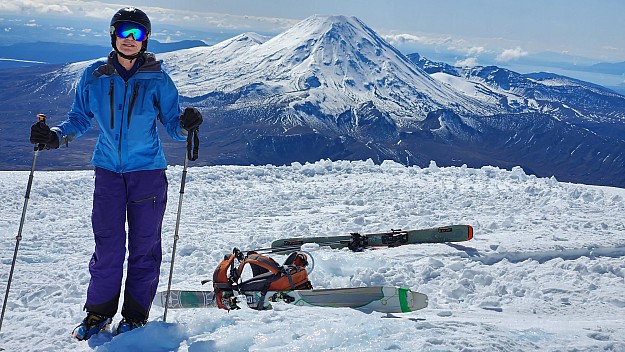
(42, 121)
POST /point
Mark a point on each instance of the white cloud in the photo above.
(468, 62)
(103, 11)
(511, 54)
(9, 7)
(185, 18)
(476, 50)
(407, 39)
(407, 42)
(35, 7)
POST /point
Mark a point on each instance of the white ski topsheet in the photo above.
(385, 299)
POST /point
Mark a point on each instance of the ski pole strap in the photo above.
(193, 145)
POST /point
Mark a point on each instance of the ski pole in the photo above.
(193, 143)
(18, 238)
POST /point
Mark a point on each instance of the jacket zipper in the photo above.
(121, 129)
(112, 103)
(153, 199)
(132, 102)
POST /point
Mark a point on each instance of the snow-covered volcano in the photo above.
(335, 63)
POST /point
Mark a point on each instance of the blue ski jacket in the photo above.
(126, 112)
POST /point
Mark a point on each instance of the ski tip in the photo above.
(470, 229)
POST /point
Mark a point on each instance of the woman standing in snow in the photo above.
(126, 94)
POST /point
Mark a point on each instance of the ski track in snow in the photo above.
(543, 272)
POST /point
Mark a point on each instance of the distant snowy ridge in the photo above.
(563, 97)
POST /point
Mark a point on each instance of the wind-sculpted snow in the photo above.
(545, 269)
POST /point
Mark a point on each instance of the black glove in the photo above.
(191, 119)
(40, 134)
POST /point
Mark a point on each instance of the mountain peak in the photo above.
(334, 62)
(326, 21)
(331, 27)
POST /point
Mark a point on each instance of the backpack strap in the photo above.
(260, 264)
(226, 277)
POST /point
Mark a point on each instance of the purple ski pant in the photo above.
(138, 198)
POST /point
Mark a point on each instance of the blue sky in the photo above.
(507, 29)
(580, 27)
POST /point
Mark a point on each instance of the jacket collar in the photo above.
(150, 64)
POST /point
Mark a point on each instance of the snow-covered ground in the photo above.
(545, 270)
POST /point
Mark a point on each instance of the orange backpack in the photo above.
(267, 275)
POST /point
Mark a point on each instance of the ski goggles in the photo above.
(126, 29)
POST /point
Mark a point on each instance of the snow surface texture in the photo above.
(544, 271)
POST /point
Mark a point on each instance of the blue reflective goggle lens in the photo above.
(126, 29)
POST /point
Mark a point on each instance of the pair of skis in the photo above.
(385, 299)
